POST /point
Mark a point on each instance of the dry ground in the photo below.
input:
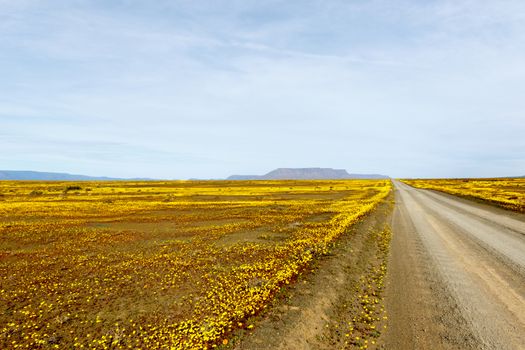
(319, 310)
(457, 274)
(147, 265)
(456, 280)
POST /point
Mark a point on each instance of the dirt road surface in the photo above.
(456, 276)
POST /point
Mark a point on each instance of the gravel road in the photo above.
(456, 276)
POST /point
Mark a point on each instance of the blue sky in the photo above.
(180, 89)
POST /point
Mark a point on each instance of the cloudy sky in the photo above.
(180, 89)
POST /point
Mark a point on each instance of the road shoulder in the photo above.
(318, 311)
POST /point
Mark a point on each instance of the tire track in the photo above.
(476, 259)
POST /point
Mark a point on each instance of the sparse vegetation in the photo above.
(506, 193)
(370, 317)
(121, 267)
(72, 188)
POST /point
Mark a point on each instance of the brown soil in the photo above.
(455, 281)
(258, 235)
(315, 312)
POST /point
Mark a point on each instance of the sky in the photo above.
(206, 89)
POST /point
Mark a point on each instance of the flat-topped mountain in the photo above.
(307, 174)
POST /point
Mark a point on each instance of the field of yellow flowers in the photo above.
(176, 264)
(507, 193)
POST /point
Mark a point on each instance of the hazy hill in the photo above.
(277, 174)
(307, 174)
(43, 176)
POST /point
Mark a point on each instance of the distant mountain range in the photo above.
(307, 174)
(277, 174)
(43, 176)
